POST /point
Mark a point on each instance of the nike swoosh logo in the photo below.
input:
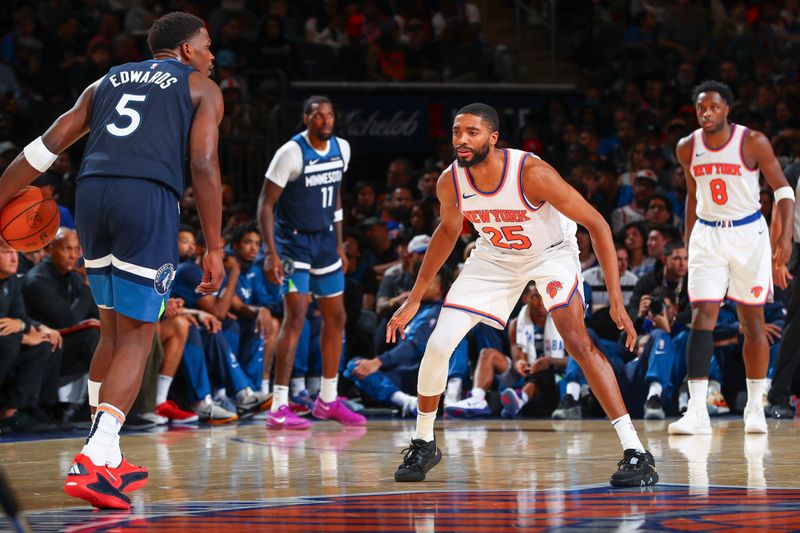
(698, 155)
(467, 196)
(323, 406)
(280, 420)
(762, 231)
(313, 162)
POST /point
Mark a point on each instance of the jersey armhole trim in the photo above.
(741, 152)
(525, 201)
(691, 153)
(453, 171)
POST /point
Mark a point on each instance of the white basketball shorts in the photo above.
(734, 260)
(490, 285)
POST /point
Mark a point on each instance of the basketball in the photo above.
(30, 220)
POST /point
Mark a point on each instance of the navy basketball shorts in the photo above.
(128, 229)
(311, 262)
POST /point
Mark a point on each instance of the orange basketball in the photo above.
(30, 220)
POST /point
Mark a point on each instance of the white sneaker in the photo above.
(693, 422)
(213, 413)
(155, 419)
(754, 419)
(409, 408)
(468, 408)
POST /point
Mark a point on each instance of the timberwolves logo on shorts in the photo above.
(163, 280)
(288, 266)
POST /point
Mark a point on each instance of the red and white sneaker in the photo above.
(336, 410)
(131, 477)
(95, 484)
(284, 418)
(176, 415)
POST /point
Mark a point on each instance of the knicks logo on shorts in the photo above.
(164, 277)
(553, 287)
(756, 291)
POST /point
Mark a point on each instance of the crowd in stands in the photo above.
(213, 355)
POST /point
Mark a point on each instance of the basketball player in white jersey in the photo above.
(729, 247)
(524, 212)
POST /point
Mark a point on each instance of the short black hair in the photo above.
(169, 31)
(311, 101)
(671, 246)
(670, 233)
(186, 228)
(486, 112)
(713, 86)
(242, 230)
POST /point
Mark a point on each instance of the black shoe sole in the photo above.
(419, 476)
(645, 481)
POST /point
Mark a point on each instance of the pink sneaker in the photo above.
(284, 418)
(337, 411)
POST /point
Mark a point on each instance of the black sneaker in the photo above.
(568, 409)
(780, 410)
(420, 457)
(637, 469)
(134, 422)
(23, 422)
(653, 410)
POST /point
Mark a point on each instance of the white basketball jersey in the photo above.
(727, 189)
(506, 222)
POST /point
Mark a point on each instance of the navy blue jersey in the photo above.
(141, 117)
(308, 202)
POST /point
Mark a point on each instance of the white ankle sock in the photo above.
(478, 393)
(574, 390)
(104, 434)
(280, 397)
(114, 457)
(698, 389)
(655, 389)
(627, 433)
(297, 385)
(425, 426)
(265, 386)
(755, 390)
(162, 388)
(328, 390)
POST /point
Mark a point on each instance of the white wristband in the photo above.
(784, 193)
(38, 156)
(338, 215)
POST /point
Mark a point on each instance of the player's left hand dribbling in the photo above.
(213, 272)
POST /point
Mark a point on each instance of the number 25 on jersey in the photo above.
(507, 237)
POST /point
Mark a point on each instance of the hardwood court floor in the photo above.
(495, 476)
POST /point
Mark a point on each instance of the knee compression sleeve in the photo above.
(452, 326)
(699, 349)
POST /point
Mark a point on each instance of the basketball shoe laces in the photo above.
(634, 461)
(414, 455)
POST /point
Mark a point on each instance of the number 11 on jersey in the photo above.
(327, 196)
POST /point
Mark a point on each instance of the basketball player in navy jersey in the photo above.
(300, 214)
(142, 119)
(526, 215)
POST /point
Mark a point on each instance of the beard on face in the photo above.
(477, 157)
(323, 136)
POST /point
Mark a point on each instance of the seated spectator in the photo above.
(670, 272)
(657, 238)
(28, 260)
(634, 237)
(659, 211)
(627, 279)
(390, 378)
(532, 369)
(26, 353)
(380, 254)
(366, 203)
(644, 186)
(58, 296)
(399, 173)
(186, 244)
(49, 183)
(585, 252)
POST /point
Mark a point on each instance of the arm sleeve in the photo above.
(286, 165)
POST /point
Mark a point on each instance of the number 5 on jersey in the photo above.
(128, 112)
(508, 237)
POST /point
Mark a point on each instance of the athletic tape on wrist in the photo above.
(338, 215)
(38, 156)
(784, 193)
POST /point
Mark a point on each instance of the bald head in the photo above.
(65, 250)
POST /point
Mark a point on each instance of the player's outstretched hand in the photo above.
(213, 272)
(400, 319)
(273, 268)
(623, 322)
